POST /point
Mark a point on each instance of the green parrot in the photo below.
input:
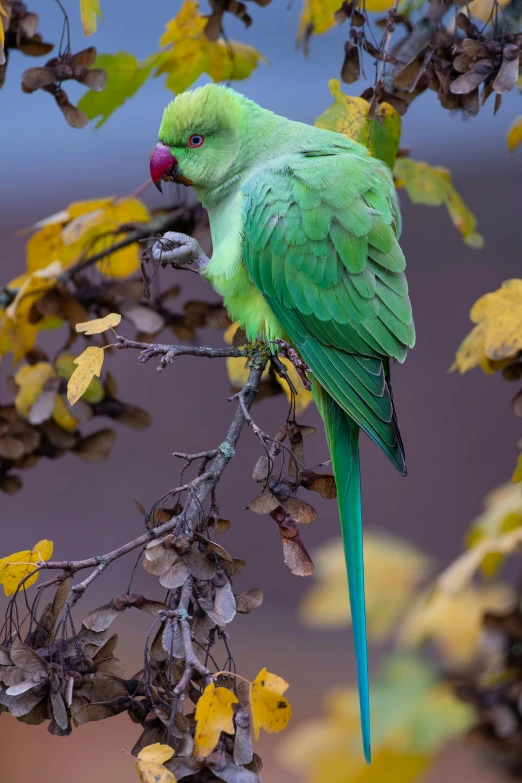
(305, 226)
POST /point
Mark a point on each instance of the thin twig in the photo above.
(158, 225)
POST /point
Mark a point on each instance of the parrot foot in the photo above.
(179, 250)
(286, 350)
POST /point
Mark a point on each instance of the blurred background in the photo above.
(459, 431)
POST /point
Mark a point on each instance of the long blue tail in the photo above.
(342, 434)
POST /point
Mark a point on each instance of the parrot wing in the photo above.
(320, 243)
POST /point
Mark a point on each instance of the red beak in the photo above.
(164, 166)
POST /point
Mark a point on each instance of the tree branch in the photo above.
(199, 490)
(169, 352)
(158, 225)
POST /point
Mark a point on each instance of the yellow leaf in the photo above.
(88, 227)
(413, 715)
(517, 473)
(514, 134)
(214, 714)
(433, 186)
(150, 764)
(16, 567)
(393, 569)
(484, 9)
(502, 514)
(31, 378)
(3, 13)
(189, 54)
(89, 364)
(99, 325)
(270, 710)
(62, 415)
(65, 366)
(318, 15)
(453, 620)
(90, 9)
(498, 334)
(15, 327)
(349, 116)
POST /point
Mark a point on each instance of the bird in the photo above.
(305, 226)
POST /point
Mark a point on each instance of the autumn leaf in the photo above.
(348, 115)
(62, 415)
(214, 714)
(318, 16)
(125, 76)
(150, 764)
(484, 9)
(14, 568)
(99, 325)
(88, 227)
(412, 716)
(90, 10)
(3, 15)
(65, 366)
(498, 334)
(452, 620)
(188, 53)
(393, 570)
(433, 186)
(514, 134)
(16, 328)
(89, 363)
(270, 710)
(31, 379)
(502, 514)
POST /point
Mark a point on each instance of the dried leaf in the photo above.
(249, 600)
(243, 753)
(214, 714)
(27, 659)
(224, 609)
(270, 710)
(176, 576)
(99, 325)
(172, 640)
(264, 503)
(95, 447)
(198, 565)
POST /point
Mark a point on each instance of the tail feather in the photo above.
(342, 434)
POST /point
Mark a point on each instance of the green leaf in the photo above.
(408, 694)
(433, 186)
(125, 76)
(349, 116)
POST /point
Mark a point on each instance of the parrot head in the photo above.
(200, 137)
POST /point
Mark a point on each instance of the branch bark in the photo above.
(199, 491)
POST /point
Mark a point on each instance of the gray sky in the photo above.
(40, 151)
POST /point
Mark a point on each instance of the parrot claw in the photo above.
(179, 250)
(158, 185)
(286, 350)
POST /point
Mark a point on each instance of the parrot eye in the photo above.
(196, 140)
